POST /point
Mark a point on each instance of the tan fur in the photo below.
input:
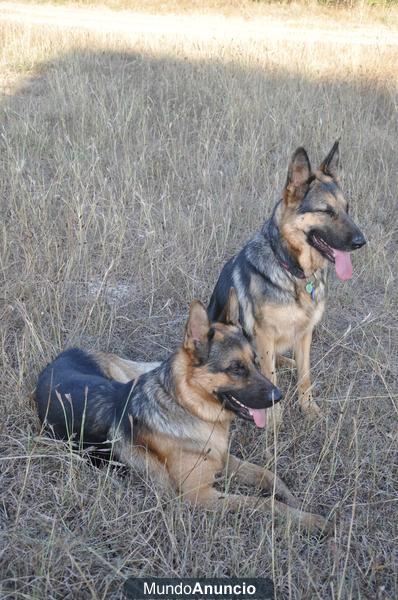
(190, 466)
(194, 392)
(277, 327)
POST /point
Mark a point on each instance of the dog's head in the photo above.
(314, 216)
(224, 366)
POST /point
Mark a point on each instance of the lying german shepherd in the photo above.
(280, 274)
(175, 419)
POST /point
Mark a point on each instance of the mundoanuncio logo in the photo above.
(153, 588)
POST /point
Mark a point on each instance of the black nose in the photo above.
(276, 395)
(358, 241)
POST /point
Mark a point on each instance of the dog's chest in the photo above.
(288, 322)
(310, 298)
(206, 440)
(214, 441)
(195, 462)
(308, 314)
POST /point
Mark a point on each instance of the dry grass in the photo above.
(130, 170)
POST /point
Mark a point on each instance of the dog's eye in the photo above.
(330, 211)
(237, 368)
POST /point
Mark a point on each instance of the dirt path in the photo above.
(212, 27)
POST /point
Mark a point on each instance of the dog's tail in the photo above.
(121, 369)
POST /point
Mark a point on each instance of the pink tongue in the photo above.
(343, 264)
(258, 416)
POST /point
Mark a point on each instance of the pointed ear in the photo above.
(298, 175)
(197, 330)
(230, 313)
(330, 165)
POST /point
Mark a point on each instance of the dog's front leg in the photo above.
(209, 497)
(251, 474)
(266, 351)
(143, 462)
(302, 356)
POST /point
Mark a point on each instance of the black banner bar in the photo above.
(215, 588)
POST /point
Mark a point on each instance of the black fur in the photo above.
(76, 399)
(256, 259)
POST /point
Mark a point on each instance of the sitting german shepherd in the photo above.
(280, 274)
(175, 419)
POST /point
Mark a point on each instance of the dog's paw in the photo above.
(317, 525)
(311, 412)
(285, 361)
